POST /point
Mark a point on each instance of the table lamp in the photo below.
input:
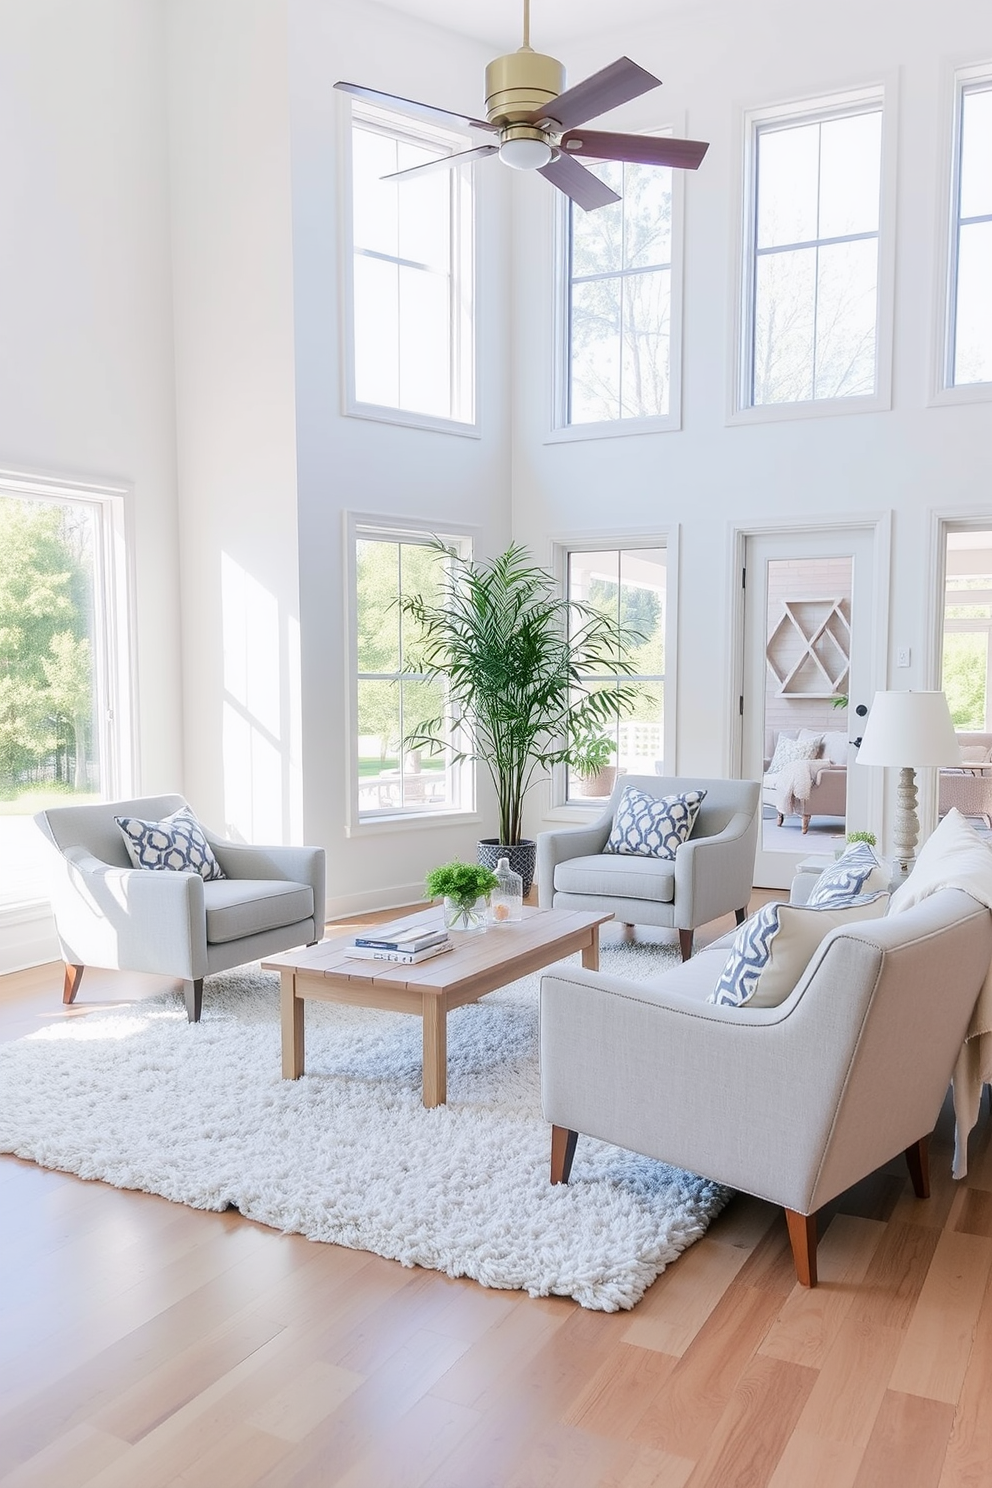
(912, 730)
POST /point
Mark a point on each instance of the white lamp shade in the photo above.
(909, 728)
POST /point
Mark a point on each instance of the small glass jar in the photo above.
(506, 901)
(465, 915)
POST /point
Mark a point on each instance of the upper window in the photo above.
(618, 323)
(630, 585)
(413, 353)
(391, 700)
(812, 272)
(969, 350)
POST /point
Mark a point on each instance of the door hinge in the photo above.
(743, 578)
(740, 705)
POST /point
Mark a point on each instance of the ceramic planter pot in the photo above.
(522, 856)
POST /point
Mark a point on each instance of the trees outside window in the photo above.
(392, 778)
(812, 272)
(618, 316)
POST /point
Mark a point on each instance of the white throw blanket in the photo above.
(791, 786)
(955, 857)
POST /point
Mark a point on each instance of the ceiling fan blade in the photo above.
(640, 149)
(585, 189)
(605, 90)
(421, 110)
(441, 163)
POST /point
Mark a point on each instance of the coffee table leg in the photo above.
(590, 953)
(291, 1009)
(435, 1051)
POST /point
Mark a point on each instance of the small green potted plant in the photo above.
(590, 759)
(465, 889)
(868, 837)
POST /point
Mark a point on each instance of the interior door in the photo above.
(807, 683)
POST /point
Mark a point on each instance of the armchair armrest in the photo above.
(572, 842)
(130, 917)
(712, 872)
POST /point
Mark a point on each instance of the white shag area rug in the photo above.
(140, 1098)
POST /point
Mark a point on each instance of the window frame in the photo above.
(958, 80)
(572, 808)
(561, 431)
(463, 247)
(841, 103)
(361, 526)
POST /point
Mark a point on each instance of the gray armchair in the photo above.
(711, 874)
(110, 914)
(792, 1103)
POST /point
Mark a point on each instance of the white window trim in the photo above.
(563, 433)
(113, 604)
(577, 810)
(401, 529)
(351, 407)
(943, 392)
(739, 411)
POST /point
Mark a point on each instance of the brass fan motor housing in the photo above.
(520, 84)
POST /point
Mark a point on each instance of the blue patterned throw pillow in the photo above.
(856, 872)
(772, 949)
(652, 826)
(176, 844)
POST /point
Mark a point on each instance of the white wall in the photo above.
(716, 59)
(86, 376)
(350, 464)
(86, 389)
(233, 271)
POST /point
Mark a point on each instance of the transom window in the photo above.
(390, 700)
(412, 273)
(812, 303)
(970, 331)
(631, 585)
(618, 301)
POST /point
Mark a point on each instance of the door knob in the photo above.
(856, 742)
(861, 710)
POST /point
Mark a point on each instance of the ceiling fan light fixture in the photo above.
(526, 153)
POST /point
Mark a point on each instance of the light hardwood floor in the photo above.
(142, 1343)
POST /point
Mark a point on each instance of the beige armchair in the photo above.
(792, 1103)
(710, 875)
(109, 914)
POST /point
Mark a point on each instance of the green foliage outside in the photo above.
(965, 653)
(46, 661)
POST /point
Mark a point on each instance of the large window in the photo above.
(969, 358)
(413, 351)
(967, 654)
(64, 695)
(811, 302)
(629, 584)
(618, 321)
(391, 700)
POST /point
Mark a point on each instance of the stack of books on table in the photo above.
(401, 942)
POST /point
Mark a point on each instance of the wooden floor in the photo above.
(145, 1344)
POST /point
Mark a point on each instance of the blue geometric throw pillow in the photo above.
(652, 826)
(175, 844)
(856, 872)
(773, 948)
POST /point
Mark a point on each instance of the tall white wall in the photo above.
(350, 464)
(233, 271)
(86, 378)
(716, 59)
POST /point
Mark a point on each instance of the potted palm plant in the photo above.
(528, 674)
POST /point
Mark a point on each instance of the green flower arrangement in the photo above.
(463, 882)
(868, 837)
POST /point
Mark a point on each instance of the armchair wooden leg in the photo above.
(562, 1152)
(193, 992)
(779, 819)
(805, 825)
(802, 1235)
(740, 915)
(918, 1159)
(685, 943)
(73, 977)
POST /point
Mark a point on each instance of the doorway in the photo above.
(807, 680)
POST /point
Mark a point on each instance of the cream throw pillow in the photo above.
(955, 857)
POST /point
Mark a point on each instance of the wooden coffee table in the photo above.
(478, 964)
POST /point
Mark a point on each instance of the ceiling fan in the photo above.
(538, 123)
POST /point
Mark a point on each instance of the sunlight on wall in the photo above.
(261, 723)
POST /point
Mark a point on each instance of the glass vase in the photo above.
(466, 915)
